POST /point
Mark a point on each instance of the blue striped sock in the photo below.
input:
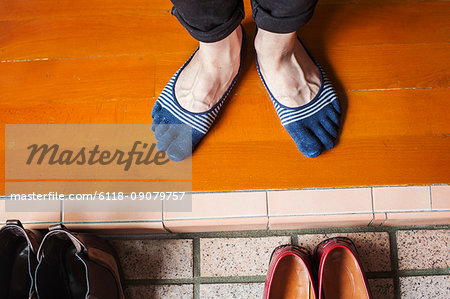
(314, 126)
(177, 130)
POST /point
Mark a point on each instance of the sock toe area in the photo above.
(330, 127)
(167, 138)
(171, 134)
(337, 106)
(155, 124)
(333, 115)
(307, 142)
(160, 130)
(180, 148)
(156, 108)
(325, 138)
(175, 139)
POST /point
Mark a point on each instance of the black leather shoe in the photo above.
(76, 266)
(18, 251)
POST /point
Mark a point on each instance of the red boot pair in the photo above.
(291, 273)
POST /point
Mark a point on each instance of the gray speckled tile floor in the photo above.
(419, 249)
(150, 259)
(237, 256)
(231, 290)
(436, 287)
(401, 262)
(183, 291)
(382, 288)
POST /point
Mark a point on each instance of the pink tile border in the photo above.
(214, 225)
(119, 227)
(407, 198)
(221, 205)
(320, 201)
(299, 222)
(440, 196)
(274, 210)
(112, 216)
(417, 218)
(35, 217)
(221, 212)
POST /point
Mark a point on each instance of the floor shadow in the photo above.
(249, 56)
(249, 27)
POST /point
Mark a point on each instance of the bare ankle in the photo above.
(275, 45)
(227, 49)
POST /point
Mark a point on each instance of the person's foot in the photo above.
(303, 97)
(191, 100)
(289, 72)
(210, 72)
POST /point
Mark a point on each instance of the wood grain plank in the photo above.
(404, 142)
(77, 80)
(415, 112)
(387, 66)
(17, 10)
(332, 25)
(378, 23)
(408, 112)
(391, 113)
(365, 67)
(90, 36)
(355, 162)
(128, 77)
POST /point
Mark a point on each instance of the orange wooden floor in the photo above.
(106, 61)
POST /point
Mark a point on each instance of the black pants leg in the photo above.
(282, 16)
(213, 20)
(209, 20)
